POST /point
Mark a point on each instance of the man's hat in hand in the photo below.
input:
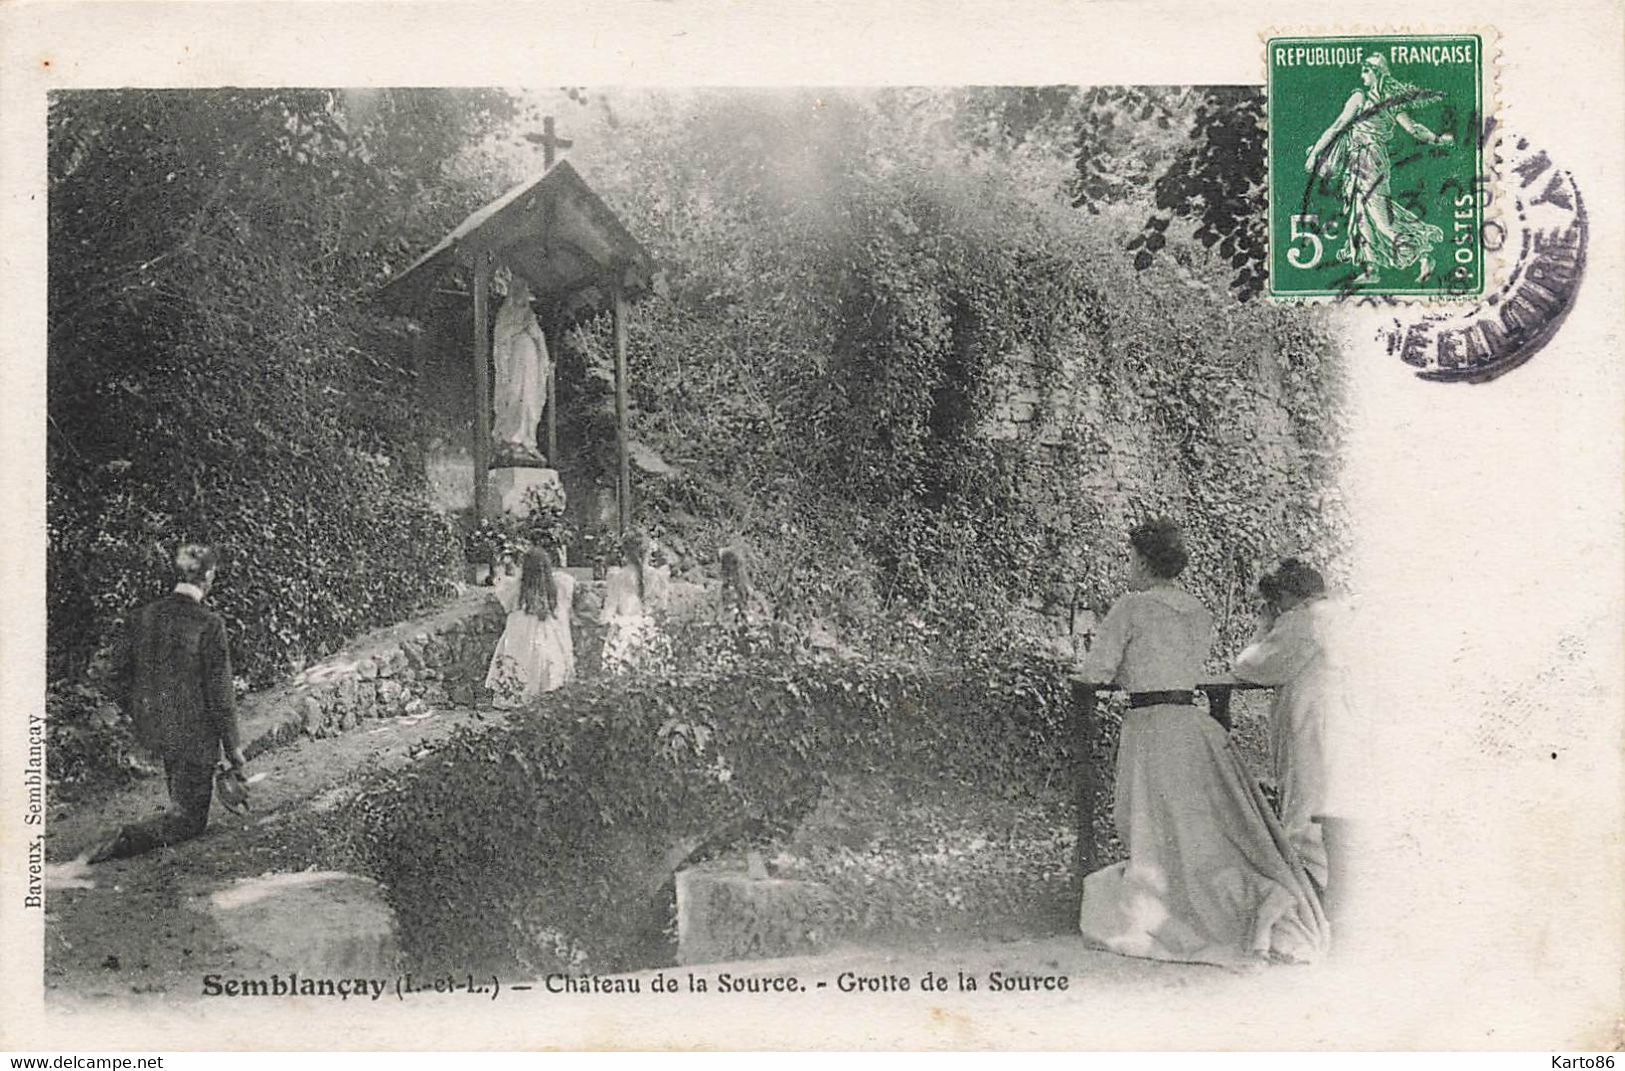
(231, 788)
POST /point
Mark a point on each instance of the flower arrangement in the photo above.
(545, 521)
(541, 520)
(493, 540)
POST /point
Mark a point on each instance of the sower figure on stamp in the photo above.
(177, 689)
(1354, 152)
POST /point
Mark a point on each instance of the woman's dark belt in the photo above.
(1160, 699)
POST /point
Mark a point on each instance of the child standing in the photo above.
(632, 591)
(537, 651)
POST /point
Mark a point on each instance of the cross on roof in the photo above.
(549, 141)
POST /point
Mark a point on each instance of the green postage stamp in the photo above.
(1376, 176)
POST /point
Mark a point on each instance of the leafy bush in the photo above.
(506, 846)
(218, 372)
(89, 741)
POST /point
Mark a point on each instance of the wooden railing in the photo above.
(1086, 779)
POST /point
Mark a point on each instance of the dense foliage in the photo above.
(216, 370)
(850, 275)
(1216, 182)
(547, 843)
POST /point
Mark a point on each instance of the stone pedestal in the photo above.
(726, 914)
(319, 923)
(509, 487)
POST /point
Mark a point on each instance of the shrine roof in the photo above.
(553, 230)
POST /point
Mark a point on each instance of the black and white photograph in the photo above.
(845, 562)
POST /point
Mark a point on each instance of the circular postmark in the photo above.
(1542, 230)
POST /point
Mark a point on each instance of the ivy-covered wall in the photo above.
(1229, 445)
(901, 364)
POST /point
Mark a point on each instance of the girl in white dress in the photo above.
(1210, 876)
(537, 651)
(632, 637)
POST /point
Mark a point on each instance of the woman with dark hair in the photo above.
(537, 651)
(630, 591)
(741, 611)
(1210, 877)
(736, 592)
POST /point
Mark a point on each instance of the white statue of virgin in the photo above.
(522, 365)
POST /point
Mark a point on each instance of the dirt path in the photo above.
(139, 930)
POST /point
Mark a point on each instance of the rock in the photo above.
(728, 914)
(319, 923)
(649, 460)
(390, 693)
(686, 600)
(366, 669)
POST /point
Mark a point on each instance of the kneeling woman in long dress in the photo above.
(537, 651)
(1210, 876)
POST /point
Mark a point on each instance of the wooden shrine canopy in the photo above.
(579, 260)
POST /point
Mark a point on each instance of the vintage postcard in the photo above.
(846, 526)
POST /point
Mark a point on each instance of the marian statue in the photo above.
(522, 368)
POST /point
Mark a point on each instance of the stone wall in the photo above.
(1059, 409)
(436, 660)
(1082, 453)
(439, 659)
(1096, 459)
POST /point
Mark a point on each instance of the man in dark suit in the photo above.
(177, 689)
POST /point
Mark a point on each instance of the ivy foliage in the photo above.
(1215, 184)
(216, 370)
(858, 283)
(851, 276)
(1124, 139)
(545, 844)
